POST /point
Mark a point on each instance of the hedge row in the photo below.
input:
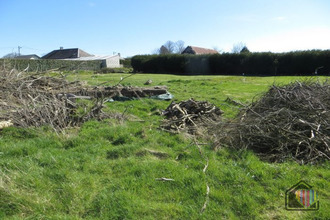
(292, 63)
(43, 65)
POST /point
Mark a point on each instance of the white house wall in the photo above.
(107, 61)
(113, 62)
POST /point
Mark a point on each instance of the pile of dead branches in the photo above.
(189, 115)
(292, 121)
(117, 91)
(34, 100)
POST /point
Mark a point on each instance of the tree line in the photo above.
(312, 62)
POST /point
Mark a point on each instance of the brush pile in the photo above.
(292, 121)
(189, 115)
(34, 100)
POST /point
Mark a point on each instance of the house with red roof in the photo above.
(198, 50)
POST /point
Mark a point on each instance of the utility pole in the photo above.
(19, 51)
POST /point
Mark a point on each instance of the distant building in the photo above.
(198, 50)
(163, 50)
(28, 57)
(107, 61)
(66, 54)
(76, 54)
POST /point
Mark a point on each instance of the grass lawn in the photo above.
(104, 170)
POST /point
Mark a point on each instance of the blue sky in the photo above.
(133, 27)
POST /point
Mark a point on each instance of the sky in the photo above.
(131, 27)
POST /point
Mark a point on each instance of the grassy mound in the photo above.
(291, 121)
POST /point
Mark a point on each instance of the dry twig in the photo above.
(189, 114)
(35, 100)
(289, 122)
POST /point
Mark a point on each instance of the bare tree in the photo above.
(218, 49)
(156, 51)
(170, 46)
(237, 48)
(179, 46)
(10, 55)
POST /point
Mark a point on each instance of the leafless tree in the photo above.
(237, 48)
(156, 51)
(10, 55)
(218, 49)
(179, 46)
(170, 48)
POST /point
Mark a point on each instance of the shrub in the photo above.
(43, 65)
(126, 62)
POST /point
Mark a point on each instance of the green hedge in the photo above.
(43, 65)
(293, 63)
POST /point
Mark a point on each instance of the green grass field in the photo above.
(104, 170)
